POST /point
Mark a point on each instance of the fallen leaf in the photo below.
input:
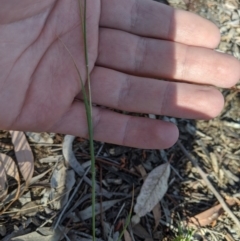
(30, 209)
(16, 233)
(70, 160)
(14, 193)
(140, 231)
(23, 154)
(69, 156)
(75, 237)
(87, 213)
(140, 168)
(166, 211)
(153, 189)
(41, 138)
(51, 159)
(157, 209)
(208, 216)
(3, 182)
(106, 230)
(3, 230)
(157, 215)
(10, 170)
(127, 236)
(52, 235)
(62, 182)
(26, 198)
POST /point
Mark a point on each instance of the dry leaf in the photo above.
(71, 161)
(51, 159)
(208, 216)
(157, 215)
(16, 233)
(62, 182)
(166, 211)
(157, 209)
(30, 209)
(140, 231)
(40, 138)
(23, 154)
(3, 230)
(127, 236)
(3, 182)
(142, 171)
(75, 237)
(87, 213)
(26, 198)
(52, 235)
(153, 189)
(10, 170)
(69, 155)
(14, 193)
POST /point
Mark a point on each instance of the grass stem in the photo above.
(88, 107)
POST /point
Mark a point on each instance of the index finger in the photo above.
(155, 20)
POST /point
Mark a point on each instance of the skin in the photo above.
(132, 45)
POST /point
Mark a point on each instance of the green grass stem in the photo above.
(128, 219)
(88, 107)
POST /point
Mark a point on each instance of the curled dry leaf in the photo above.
(62, 182)
(71, 161)
(210, 215)
(69, 155)
(10, 169)
(153, 189)
(23, 154)
(14, 193)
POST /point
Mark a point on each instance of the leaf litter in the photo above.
(10, 169)
(23, 154)
(154, 188)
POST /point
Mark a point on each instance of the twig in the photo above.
(111, 164)
(209, 185)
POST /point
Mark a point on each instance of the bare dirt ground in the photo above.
(55, 205)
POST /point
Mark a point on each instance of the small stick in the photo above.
(209, 185)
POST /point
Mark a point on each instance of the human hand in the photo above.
(131, 44)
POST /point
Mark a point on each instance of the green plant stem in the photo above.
(88, 108)
(128, 219)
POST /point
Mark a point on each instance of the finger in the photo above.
(151, 19)
(164, 59)
(143, 95)
(118, 129)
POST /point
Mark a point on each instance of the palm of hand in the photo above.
(39, 83)
(38, 80)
